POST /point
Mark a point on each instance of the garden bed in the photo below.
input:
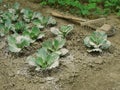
(79, 70)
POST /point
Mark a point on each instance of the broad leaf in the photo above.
(18, 41)
(52, 58)
(44, 60)
(42, 53)
(14, 48)
(48, 44)
(37, 15)
(27, 14)
(44, 20)
(41, 62)
(58, 43)
(16, 6)
(51, 21)
(19, 26)
(38, 24)
(65, 29)
(34, 32)
(55, 31)
(31, 61)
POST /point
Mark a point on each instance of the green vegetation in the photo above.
(63, 31)
(97, 41)
(34, 33)
(47, 56)
(17, 42)
(86, 7)
(22, 27)
(44, 60)
(56, 46)
(1, 1)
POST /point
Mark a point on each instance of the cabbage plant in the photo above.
(97, 41)
(63, 31)
(47, 21)
(34, 33)
(17, 42)
(5, 28)
(37, 23)
(19, 26)
(27, 15)
(56, 46)
(51, 21)
(44, 60)
(10, 14)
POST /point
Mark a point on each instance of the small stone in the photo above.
(49, 78)
(63, 51)
(38, 80)
(11, 74)
(98, 61)
(78, 40)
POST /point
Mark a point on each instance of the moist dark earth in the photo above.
(79, 70)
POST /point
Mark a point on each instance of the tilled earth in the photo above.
(79, 70)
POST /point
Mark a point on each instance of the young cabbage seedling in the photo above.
(44, 60)
(51, 21)
(5, 28)
(27, 15)
(38, 24)
(37, 15)
(19, 26)
(17, 42)
(47, 21)
(16, 6)
(97, 41)
(43, 21)
(14, 11)
(63, 31)
(10, 14)
(56, 46)
(34, 33)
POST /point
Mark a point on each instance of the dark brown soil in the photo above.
(78, 71)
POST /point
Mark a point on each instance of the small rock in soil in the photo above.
(49, 78)
(11, 74)
(99, 61)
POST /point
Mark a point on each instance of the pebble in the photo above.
(11, 74)
(99, 61)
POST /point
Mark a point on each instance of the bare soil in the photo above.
(78, 71)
